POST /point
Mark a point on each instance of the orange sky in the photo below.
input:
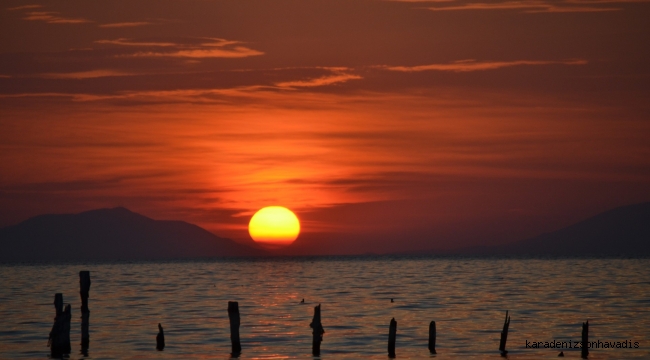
(385, 125)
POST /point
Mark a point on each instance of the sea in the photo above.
(548, 301)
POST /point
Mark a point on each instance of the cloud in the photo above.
(473, 65)
(539, 6)
(125, 24)
(5, 76)
(217, 48)
(52, 17)
(36, 95)
(24, 7)
(129, 42)
(338, 77)
(235, 52)
(257, 92)
(205, 96)
(213, 48)
(90, 74)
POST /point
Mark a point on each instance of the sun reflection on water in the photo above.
(547, 299)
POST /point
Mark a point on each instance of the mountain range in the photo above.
(120, 234)
(112, 234)
(623, 231)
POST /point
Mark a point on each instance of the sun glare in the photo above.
(274, 226)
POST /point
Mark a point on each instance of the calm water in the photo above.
(548, 300)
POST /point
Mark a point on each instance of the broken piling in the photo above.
(317, 333)
(233, 315)
(504, 335)
(84, 290)
(392, 335)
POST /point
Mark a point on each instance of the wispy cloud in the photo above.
(206, 48)
(36, 95)
(53, 17)
(129, 42)
(4, 76)
(125, 24)
(159, 96)
(216, 48)
(338, 76)
(91, 74)
(538, 6)
(24, 7)
(236, 52)
(473, 65)
(204, 96)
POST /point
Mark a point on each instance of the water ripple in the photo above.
(548, 299)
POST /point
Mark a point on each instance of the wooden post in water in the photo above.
(432, 337)
(317, 333)
(56, 340)
(67, 317)
(84, 289)
(233, 314)
(585, 340)
(160, 338)
(392, 334)
(504, 335)
(58, 303)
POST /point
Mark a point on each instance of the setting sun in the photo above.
(274, 226)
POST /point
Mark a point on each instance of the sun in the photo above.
(274, 226)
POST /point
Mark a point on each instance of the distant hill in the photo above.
(111, 234)
(623, 231)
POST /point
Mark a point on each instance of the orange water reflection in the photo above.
(547, 299)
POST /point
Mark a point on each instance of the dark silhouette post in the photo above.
(160, 338)
(504, 335)
(67, 317)
(54, 340)
(58, 303)
(317, 333)
(84, 289)
(432, 337)
(392, 334)
(585, 340)
(59, 339)
(233, 314)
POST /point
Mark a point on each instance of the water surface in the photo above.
(547, 299)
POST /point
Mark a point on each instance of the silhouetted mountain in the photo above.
(623, 231)
(112, 234)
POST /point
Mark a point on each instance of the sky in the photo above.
(386, 126)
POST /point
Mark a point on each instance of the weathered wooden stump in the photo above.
(160, 338)
(233, 315)
(584, 353)
(432, 337)
(59, 339)
(392, 335)
(58, 303)
(84, 289)
(67, 317)
(54, 341)
(317, 333)
(504, 335)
